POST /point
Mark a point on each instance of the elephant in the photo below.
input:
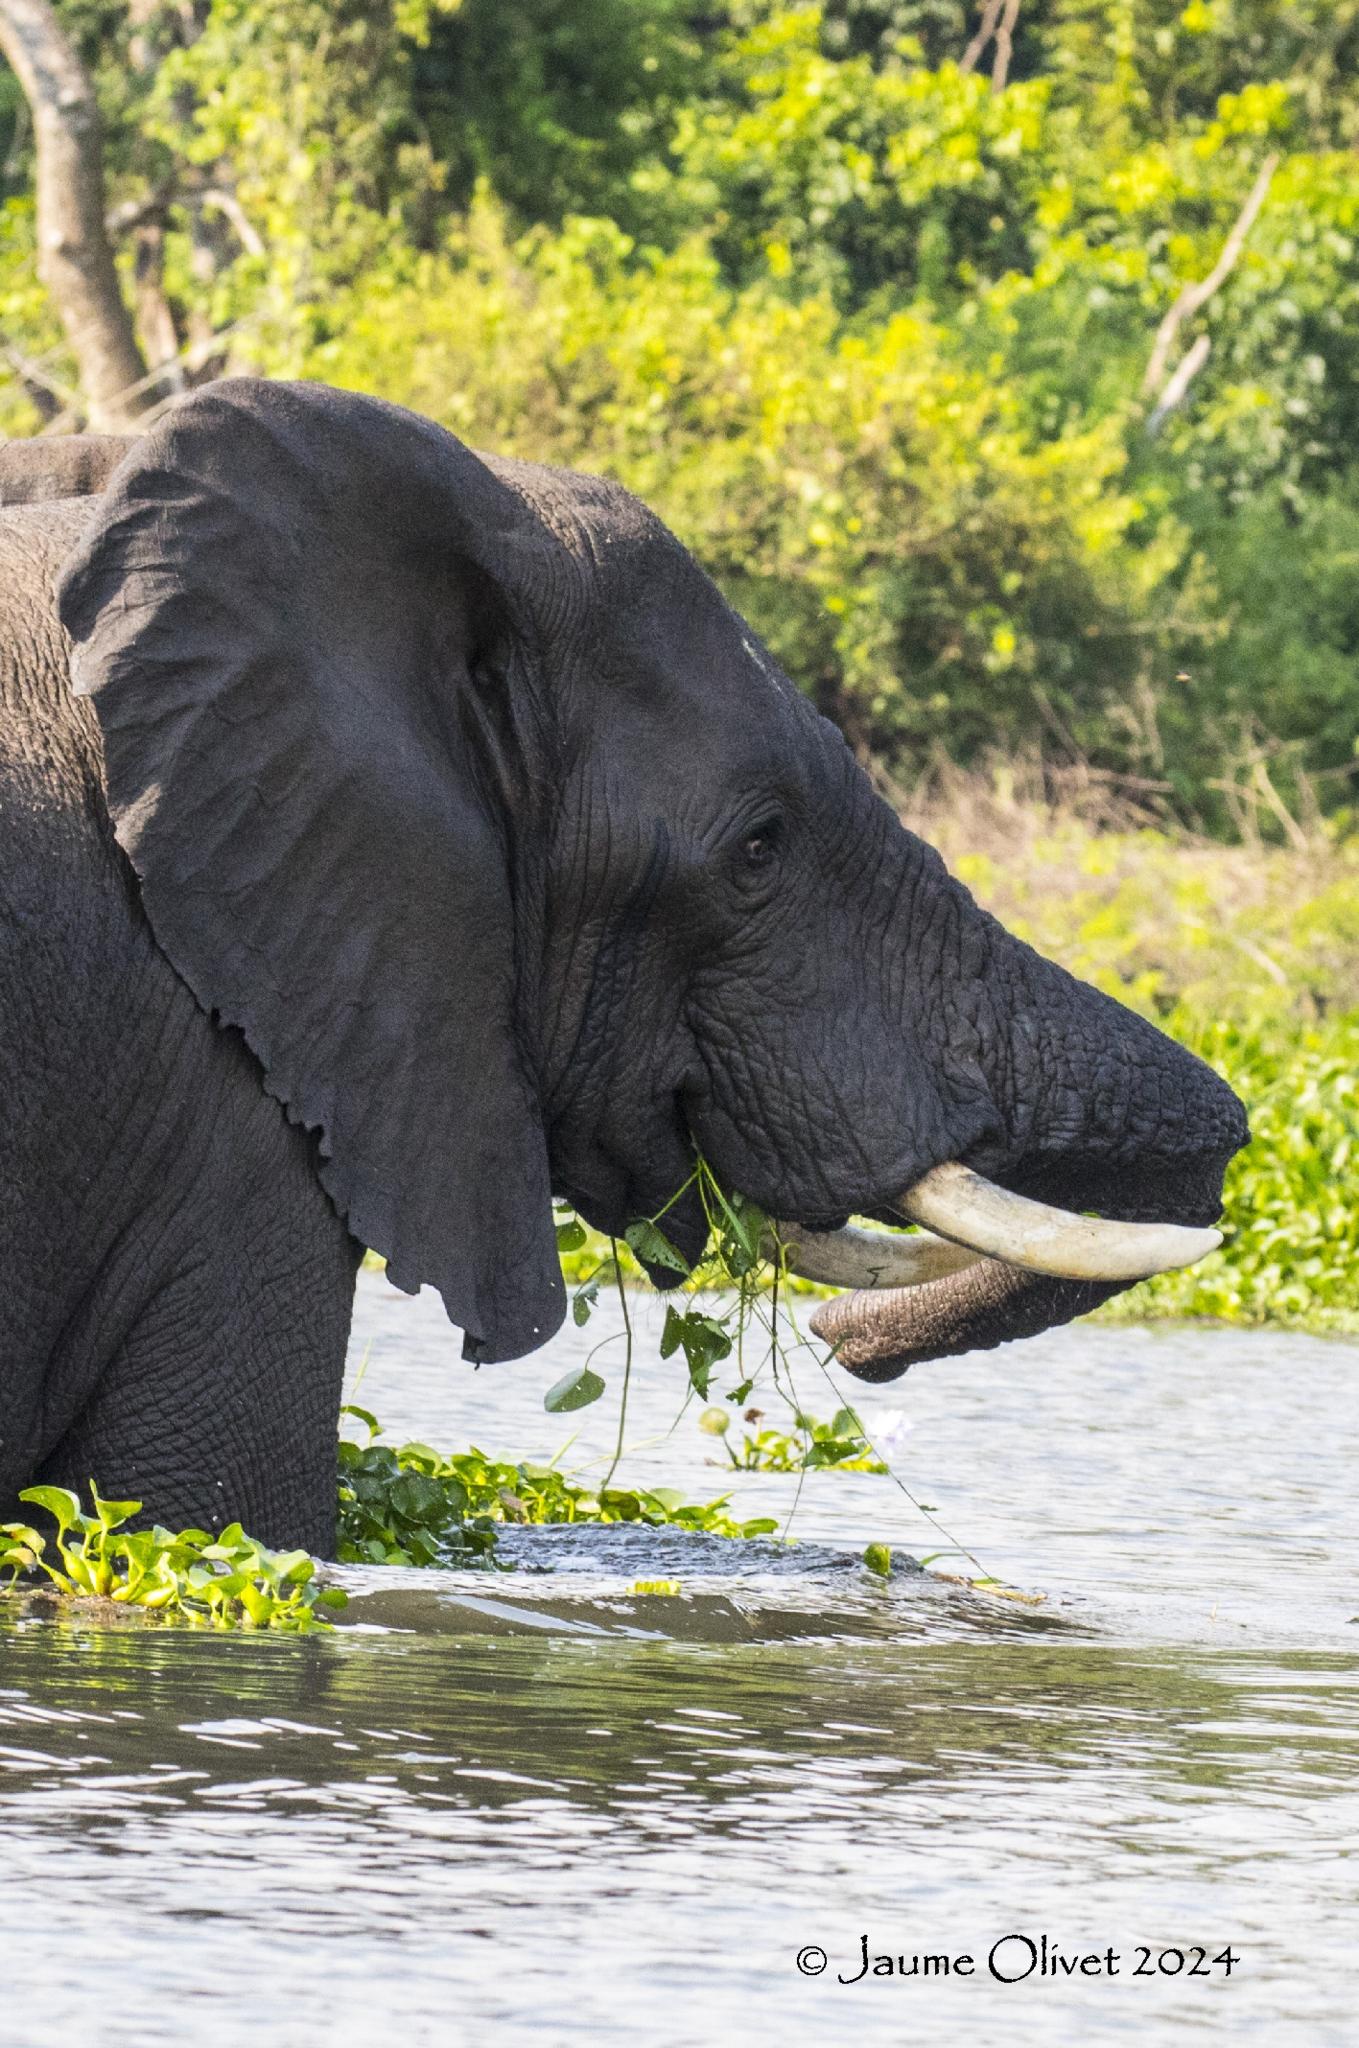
(59, 466)
(397, 838)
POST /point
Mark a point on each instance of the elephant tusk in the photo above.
(968, 1210)
(865, 1258)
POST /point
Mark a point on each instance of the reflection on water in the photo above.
(541, 1806)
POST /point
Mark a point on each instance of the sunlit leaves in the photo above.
(869, 332)
(1292, 1227)
(810, 1446)
(222, 1581)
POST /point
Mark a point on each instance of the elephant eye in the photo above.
(760, 847)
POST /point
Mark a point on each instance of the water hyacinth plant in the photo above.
(414, 1505)
(838, 1445)
(223, 1581)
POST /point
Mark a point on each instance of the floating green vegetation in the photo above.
(839, 1445)
(416, 1506)
(224, 1581)
(407, 1506)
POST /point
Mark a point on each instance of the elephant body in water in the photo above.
(394, 838)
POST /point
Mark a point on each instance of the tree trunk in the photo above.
(75, 261)
(155, 316)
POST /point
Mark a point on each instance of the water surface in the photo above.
(540, 1806)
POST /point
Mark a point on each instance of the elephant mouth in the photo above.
(987, 1265)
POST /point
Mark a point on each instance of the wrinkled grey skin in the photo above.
(66, 466)
(424, 836)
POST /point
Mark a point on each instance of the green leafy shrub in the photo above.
(223, 1581)
(407, 1506)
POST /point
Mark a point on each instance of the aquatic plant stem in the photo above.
(627, 1369)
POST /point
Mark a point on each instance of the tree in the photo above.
(75, 260)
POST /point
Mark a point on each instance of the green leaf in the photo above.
(417, 1496)
(59, 1503)
(295, 1566)
(654, 1248)
(587, 1294)
(703, 1340)
(575, 1389)
(113, 1512)
(743, 1226)
(258, 1606)
(365, 1416)
(571, 1236)
(20, 1547)
(82, 1573)
(878, 1559)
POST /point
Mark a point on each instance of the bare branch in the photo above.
(986, 28)
(155, 315)
(75, 261)
(152, 393)
(247, 234)
(1000, 69)
(47, 393)
(1195, 296)
(1176, 385)
(120, 220)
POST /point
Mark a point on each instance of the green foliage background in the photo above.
(868, 331)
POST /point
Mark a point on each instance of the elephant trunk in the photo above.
(877, 1336)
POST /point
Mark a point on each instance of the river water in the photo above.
(541, 1807)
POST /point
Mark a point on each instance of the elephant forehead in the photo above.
(649, 586)
(680, 666)
(594, 518)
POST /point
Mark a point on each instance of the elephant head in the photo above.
(455, 785)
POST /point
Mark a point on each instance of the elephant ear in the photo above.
(278, 614)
